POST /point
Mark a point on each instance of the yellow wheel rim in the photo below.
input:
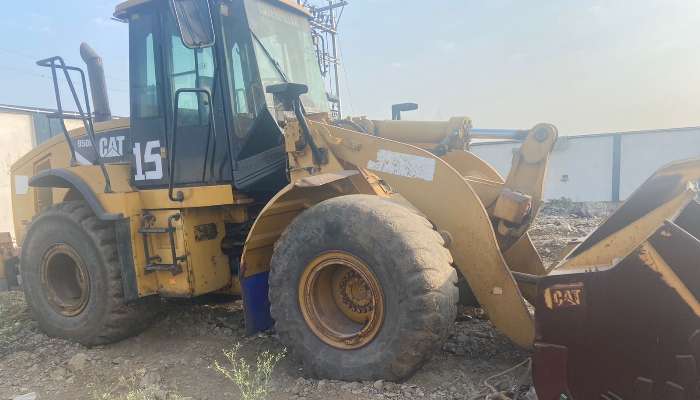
(65, 280)
(341, 300)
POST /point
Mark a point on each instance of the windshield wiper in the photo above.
(269, 56)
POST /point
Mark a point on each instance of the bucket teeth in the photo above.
(674, 391)
(643, 389)
(686, 371)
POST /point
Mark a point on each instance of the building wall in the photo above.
(16, 133)
(582, 168)
(642, 154)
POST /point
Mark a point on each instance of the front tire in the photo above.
(362, 288)
(72, 278)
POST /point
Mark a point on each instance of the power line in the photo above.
(347, 81)
(40, 75)
(34, 59)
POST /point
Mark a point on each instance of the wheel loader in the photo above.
(349, 237)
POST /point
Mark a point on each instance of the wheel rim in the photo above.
(65, 280)
(341, 300)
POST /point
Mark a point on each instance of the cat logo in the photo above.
(564, 296)
(111, 146)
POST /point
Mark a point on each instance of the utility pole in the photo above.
(324, 29)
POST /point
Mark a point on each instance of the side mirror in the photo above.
(195, 23)
(287, 93)
(397, 109)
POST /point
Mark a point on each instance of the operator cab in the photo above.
(200, 73)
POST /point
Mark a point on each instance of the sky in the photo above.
(586, 66)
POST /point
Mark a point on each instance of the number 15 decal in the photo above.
(151, 154)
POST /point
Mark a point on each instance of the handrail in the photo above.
(55, 63)
(179, 196)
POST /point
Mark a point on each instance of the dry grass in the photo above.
(252, 381)
(128, 389)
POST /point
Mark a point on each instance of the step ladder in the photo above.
(154, 263)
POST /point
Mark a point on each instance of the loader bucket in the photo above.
(620, 318)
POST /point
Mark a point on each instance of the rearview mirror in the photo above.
(194, 22)
(397, 109)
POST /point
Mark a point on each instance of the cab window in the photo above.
(239, 82)
(190, 69)
(144, 91)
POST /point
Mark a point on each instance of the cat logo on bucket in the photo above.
(564, 296)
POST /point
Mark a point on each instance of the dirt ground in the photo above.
(174, 358)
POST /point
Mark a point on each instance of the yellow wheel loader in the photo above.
(349, 236)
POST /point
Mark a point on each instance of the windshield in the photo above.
(287, 37)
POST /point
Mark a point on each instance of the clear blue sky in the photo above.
(584, 65)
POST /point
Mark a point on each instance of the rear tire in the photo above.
(405, 267)
(72, 278)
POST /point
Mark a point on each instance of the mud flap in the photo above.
(631, 331)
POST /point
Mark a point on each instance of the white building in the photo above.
(602, 167)
(21, 128)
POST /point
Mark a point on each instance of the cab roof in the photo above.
(123, 9)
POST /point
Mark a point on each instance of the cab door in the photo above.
(147, 137)
(200, 151)
(161, 66)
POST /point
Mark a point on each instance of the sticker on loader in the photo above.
(406, 165)
(564, 296)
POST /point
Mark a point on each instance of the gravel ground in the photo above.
(174, 358)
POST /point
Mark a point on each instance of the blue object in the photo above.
(256, 305)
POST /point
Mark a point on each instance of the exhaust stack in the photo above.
(98, 84)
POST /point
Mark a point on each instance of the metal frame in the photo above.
(56, 63)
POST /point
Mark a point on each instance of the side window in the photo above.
(144, 89)
(190, 69)
(45, 128)
(239, 81)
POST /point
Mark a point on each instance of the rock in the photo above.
(302, 381)
(58, 374)
(28, 396)
(350, 386)
(322, 384)
(530, 395)
(78, 362)
(150, 379)
(159, 394)
(379, 385)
